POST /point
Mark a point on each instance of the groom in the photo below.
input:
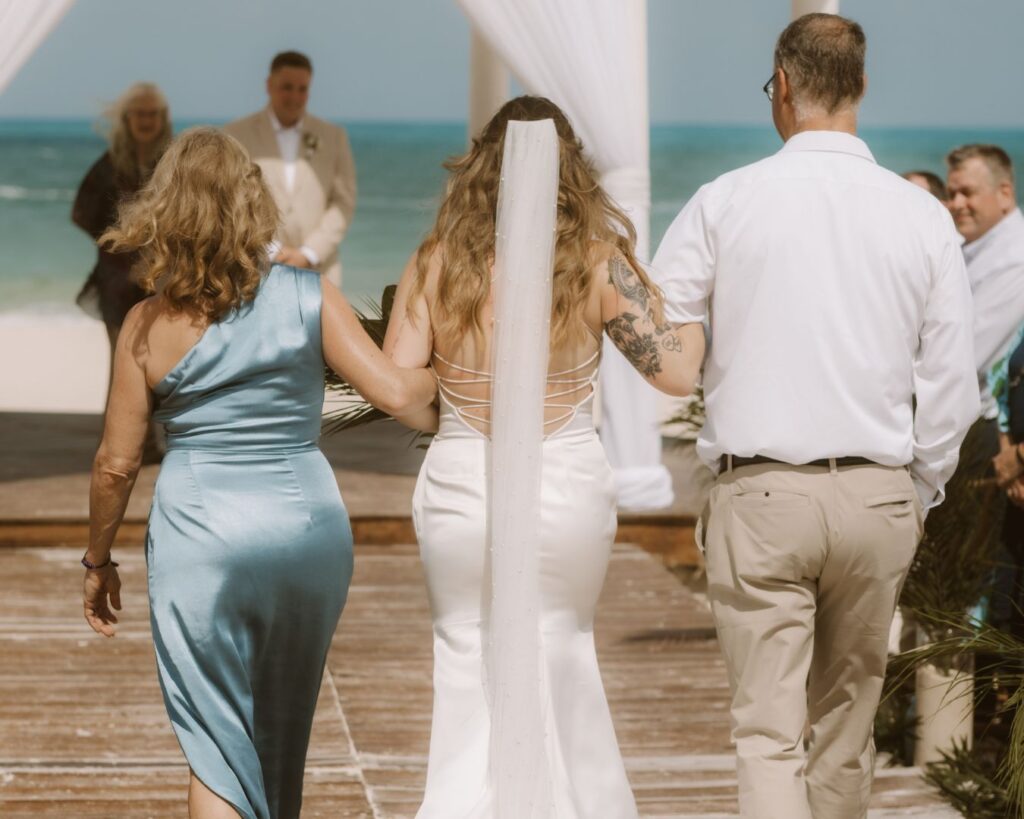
(836, 294)
(308, 166)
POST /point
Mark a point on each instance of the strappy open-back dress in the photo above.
(249, 548)
(578, 521)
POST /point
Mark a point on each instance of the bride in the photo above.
(514, 508)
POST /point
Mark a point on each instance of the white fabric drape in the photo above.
(24, 25)
(524, 261)
(590, 57)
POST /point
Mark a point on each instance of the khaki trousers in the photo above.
(805, 565)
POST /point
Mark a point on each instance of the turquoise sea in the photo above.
(44, 258)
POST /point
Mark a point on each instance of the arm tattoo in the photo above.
(624, 279)
(640, 349)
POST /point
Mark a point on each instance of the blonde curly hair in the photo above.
(202, 225)
(589, 224)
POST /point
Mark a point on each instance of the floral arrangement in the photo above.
(310, 143)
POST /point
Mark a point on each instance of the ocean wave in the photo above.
(16, 193)
(667, 208)
(399, 202)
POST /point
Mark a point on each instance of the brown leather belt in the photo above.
(737, 461)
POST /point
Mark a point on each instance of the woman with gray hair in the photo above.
(139, 131)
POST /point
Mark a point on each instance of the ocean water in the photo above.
(44, 258)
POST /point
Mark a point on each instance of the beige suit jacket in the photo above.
(319, 208)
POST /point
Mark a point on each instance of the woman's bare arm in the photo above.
(410, 341)
(668, 356)
(351, 353)
(115, 468)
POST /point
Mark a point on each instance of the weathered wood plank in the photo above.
(83, 731)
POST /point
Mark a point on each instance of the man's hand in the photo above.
(292, 256)
(1015, 493)
(1007, 464)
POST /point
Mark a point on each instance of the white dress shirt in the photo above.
(836, 292)
(289, 140)
(995, 270)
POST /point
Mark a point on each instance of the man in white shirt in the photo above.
(983, 202)
(308, 166)
(836, 291)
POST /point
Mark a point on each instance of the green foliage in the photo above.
(971, 783)
(952, 569)
(896, 724)
(357, 412)
(983, 782)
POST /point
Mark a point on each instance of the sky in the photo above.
(930, 62)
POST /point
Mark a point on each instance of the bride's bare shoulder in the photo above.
(432, 260)
(601, 255)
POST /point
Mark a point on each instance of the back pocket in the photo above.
(897, 502)
(770, 500)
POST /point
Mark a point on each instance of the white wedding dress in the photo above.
(515, 514)
(577, 526)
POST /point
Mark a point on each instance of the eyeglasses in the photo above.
(769, 88)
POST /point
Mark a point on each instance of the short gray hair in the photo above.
(823, 57)
(995, 158)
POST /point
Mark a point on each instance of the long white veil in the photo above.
(523, 268)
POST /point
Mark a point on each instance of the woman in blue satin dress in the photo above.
(249, 548)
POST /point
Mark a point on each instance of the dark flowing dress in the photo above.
(249, 548)
(110, 284)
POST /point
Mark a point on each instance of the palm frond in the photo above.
(952, 569)
(355, 410)
(1012, 769)
(971, 784)
(970, 780)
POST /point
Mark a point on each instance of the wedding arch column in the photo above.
(24, 25)
(488, 81)
(802, 7)
(590, 57)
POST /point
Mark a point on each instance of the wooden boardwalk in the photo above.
(83, 733)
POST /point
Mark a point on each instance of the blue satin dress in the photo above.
(249, 547)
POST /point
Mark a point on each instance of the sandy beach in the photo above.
(53, 361)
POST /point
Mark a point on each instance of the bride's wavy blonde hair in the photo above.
(202, 225)
(463, 233)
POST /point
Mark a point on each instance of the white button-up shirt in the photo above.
(995, 269)
(836, 292)
(289, 140)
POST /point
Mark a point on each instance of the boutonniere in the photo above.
(310, 142)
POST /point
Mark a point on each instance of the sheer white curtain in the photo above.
(24, 25)
(590, 57)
